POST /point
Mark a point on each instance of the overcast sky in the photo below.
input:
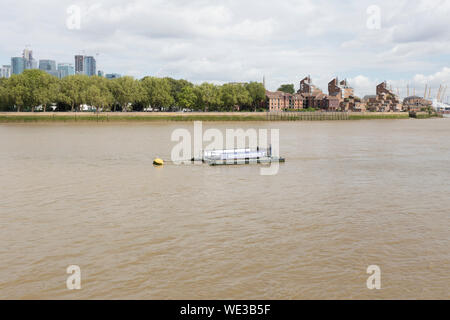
(242, 40)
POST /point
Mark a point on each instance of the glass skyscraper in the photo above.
(79, 64)
(112, 76)
(65, 70)
(48, 66)
(5, 71)
(17, 65)
(90, 66)
(30, 63)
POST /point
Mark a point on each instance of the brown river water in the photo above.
(351, 194)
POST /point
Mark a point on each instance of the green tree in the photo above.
(176, 86)
(17, 91)
(40, 87)
(208, 96)
(257, 93)
(72, 90)
(125, 90)
(234, 95)
(3, 94)
(157, 92)
(288, 88)
(187, 97)
(98, 94)
(49, 91)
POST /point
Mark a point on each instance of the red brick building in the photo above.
(281, 101)
(309, 96)
(384, 101)
(340, 89)
(416, 104)
(346, 96)
(307, 87)
(315, 98)
(331, 103)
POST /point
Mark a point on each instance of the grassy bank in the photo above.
(425, 115)
(26, 117)
(118, 117)
(374, 115)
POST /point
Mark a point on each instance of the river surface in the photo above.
(351, 194)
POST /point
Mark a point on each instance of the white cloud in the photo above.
(234, 40)
(416, 85)
(363, 84)
(437, 78)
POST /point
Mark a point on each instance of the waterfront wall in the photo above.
(194, 116)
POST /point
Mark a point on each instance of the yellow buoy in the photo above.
(158, 162)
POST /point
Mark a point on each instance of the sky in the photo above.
(404, 42)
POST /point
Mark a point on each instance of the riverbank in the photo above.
(425, 115)
(14, 117)
(127, 117)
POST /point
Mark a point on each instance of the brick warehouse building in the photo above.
(415, 103)
(340, 97)
(308, 96)
(346, 96)
(281, 101)
(340, 89)
(384, 101)
(315, 98)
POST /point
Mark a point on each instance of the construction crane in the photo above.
(425, 94)
(438, 96)
(96, 57)
(443, 93)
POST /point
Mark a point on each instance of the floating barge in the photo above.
(238, 157)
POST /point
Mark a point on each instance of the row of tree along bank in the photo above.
(33, 88)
